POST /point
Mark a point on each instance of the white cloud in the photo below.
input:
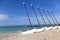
(6, 20)
(3, 17)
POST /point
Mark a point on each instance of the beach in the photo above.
(44, 35)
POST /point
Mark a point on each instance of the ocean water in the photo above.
(5, 29)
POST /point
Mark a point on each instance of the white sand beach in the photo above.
(53, 34)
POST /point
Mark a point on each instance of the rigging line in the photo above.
(51, 17)
(35, 15)
(27, 14)
(42, 15)
(54, 17)
(46, 16)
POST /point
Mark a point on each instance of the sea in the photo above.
(6, 29)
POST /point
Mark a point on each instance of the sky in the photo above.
(12, 12)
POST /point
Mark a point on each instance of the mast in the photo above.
(41, 15)
(51, 16)
(27, 14)
(35, 14)
(54, 17)
(46, 16)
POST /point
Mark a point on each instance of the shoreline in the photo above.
(53, 34)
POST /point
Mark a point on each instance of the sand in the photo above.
(45, 35)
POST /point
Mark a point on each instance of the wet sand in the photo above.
(45, 35)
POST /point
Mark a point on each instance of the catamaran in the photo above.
(42, 11)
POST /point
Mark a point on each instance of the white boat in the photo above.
(55, 27)
(40, 30)
(29, 31)
(58, 26)
(44, 27)
(49, 28)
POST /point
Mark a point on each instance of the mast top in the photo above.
(23, 3)
(41, 8)
(49, 9)
(46, 9)
(37, 7)
(31, 4)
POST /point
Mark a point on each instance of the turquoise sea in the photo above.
(16, 28)
(12, 28)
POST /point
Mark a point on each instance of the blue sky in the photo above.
(12, 12)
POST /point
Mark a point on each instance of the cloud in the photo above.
(3, 17)
(5, 20)
(24, 20)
